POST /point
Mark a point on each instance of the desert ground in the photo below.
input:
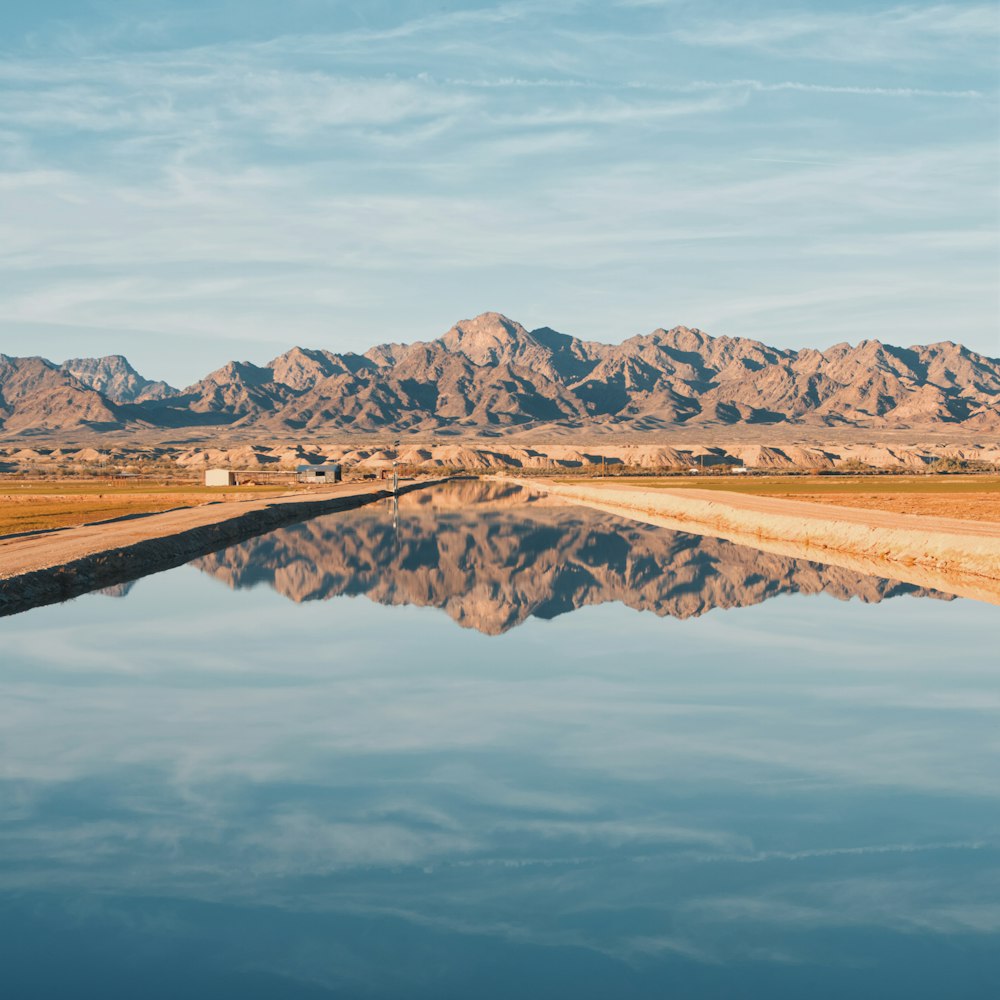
(36, 505)
(29, 505)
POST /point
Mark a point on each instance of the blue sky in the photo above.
(188, 182)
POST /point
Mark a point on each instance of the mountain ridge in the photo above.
(491, 373)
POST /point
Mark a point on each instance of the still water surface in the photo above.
(485, 747)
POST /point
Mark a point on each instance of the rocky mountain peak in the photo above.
(301, 368)
(245, 372)
(115, 378)
(487, 339)
(683, 338)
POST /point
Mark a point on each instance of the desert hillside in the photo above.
(264, 460)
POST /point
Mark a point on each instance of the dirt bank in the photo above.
(956, 556)
(54, 565)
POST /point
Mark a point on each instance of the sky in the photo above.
(192, 182)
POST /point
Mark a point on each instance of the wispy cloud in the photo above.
(859, 35)
(826, 88)
(545, 153)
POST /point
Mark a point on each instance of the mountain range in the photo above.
(490, 374)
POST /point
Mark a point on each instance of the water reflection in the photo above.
(214, 792)
(492, 556)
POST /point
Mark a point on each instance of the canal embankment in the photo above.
(960, 557)
(50, 566)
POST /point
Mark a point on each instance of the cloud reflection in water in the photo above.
(346, 797)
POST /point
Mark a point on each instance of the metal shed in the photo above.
(318, 474)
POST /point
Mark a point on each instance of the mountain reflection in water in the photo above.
(223, 795)
(493, 555)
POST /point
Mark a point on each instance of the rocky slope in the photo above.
(491, 375)
(493, 566)
(116, 379)
(36, 395)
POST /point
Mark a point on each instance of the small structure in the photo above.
(739, 470)
(220, 477)
(318, 474)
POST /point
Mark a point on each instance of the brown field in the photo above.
(965, 506)
(33, 505)
(969, 498)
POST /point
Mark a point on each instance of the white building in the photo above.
(220, 477)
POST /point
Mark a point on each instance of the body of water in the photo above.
(479, 745)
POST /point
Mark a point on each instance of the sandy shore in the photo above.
(54, 565)
(961, 557)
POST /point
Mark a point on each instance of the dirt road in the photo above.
(54, 565)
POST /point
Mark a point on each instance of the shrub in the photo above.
(949, 465)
